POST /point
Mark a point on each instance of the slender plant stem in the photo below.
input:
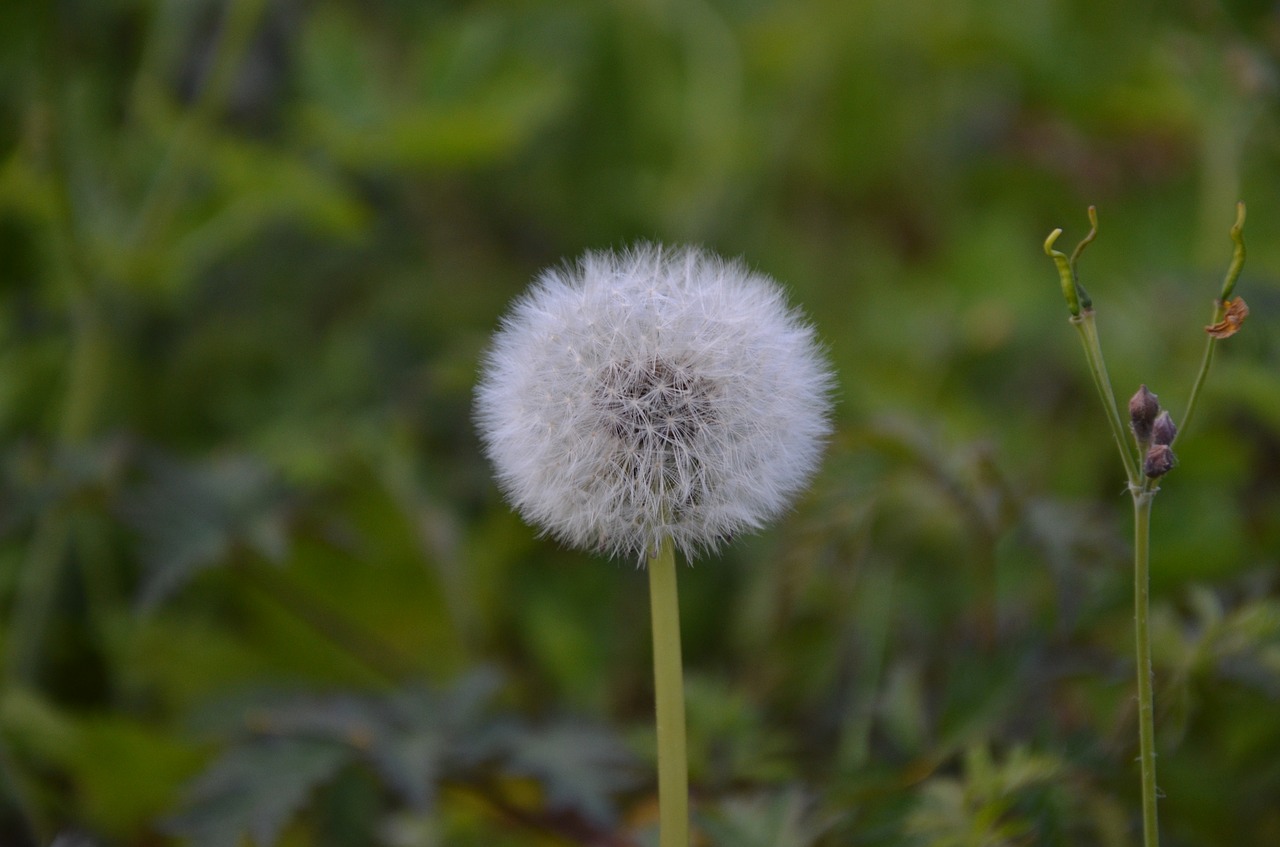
(1205, 362)
(1142, 501)
(1085, 325)
(1219, 312)
(668, 682)
(1143, 496)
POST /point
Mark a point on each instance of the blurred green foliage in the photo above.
(256, 581)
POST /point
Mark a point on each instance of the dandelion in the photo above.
(650, 394)
(642, 401)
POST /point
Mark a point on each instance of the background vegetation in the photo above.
(256, 580)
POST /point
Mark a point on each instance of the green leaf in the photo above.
(978, 808)
(412, 738)
(464, 111)
(432, 733)
(254, 190)
(127, 771)
(191, 517)
(254, 790)
(581, 767)
(786, 818)
(31, 483)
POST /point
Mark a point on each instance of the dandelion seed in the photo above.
(650, 393)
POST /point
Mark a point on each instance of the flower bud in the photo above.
(1159, 461)
(1163, 431)
(1143, 408)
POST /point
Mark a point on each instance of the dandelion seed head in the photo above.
(649, 393)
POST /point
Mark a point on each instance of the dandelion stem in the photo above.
(668, 679)
(1142, 501)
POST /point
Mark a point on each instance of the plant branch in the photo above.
(1082, 318)
(1088, 330)
(1219, 310)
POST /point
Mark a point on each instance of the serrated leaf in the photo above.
(975, 808)
(786, 819)
(256, 188)
(254, 790)
(412, 738)
(406, 749)
(476, 107)
(419, 736)
(31, 484)
(581, 767)
(72, 839)
(191, 517)
(127, 771)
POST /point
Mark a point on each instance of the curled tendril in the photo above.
(1064, 273)
(1085, 301)
(1237, 256)
(1072, 291)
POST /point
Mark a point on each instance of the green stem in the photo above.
(1205, 362)
(1142, 501)
(1085, 325)
(668, 683)
(1219, 312)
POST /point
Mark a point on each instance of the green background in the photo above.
(256, 579)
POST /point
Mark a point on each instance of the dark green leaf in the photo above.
(785, 819)
(191, 517)
(581, 767)
(254, 790)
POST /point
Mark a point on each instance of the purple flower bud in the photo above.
(1159, 461)
(1163, 431)
(1143, 408)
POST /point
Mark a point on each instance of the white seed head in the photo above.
(649, 393)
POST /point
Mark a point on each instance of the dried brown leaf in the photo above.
(1237, 311)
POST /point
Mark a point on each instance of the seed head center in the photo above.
(655, 403)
